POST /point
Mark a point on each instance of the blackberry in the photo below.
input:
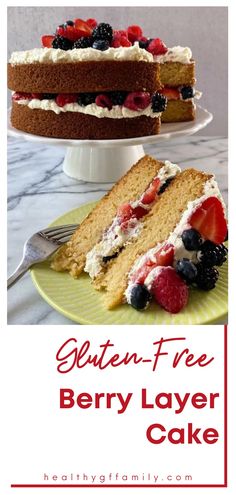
(117, 97)
(49, 96)
(212, 254)
(187, 92)
(187, 270)
(191, 239)
(62, 43)
(140, 296)
(165, 185)
(206, 277)
(143, 44)
(103, 31)
(83, 42)
(159, 102)
(105, 259)
(101, 45)
(85, 99)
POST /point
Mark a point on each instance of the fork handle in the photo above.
(18, 273)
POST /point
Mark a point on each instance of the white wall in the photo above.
(204, 29)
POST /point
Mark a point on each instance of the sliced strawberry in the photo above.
(124, 212)
(120, 41)
(82, 27)
(91, 23)
(150, 194)
(165, 255)
(209, 220)
(46, 40)
(134, 33)
(170, 93)
(139, 212)
(140, 276)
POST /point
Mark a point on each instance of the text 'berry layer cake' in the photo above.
(156, 234)
(92, 82)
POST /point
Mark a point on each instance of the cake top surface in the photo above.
(79, 40)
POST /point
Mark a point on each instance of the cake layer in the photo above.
(179, 111)
(72, 256)
(187, 186)
(75, 125)
(177, 74)
(84, 77)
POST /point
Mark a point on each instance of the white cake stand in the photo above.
(107, 160)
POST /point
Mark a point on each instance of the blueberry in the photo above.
(69, 23)
(101, 45)
(187, 92)
(187, 270)
(143, 44)
(191, 239)
(140, 296)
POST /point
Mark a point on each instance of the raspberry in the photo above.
(63, 99)
(21, 96)
(91, 23)
(120, 41)
(137, 100)
(37, 96)
(134, 33)
(157, 47)
(169, 290)
(103, 101)
(117, 33)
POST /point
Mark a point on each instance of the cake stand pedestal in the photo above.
(108, 160)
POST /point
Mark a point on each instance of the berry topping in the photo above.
(206, 277)
(101, 45)
(63, 99)
(159, 102)
(49, 96)
(37, 96)
(169, 290)
(83, 42)
(209, 220)
(85, 99)
(117, 97)
(143, 42)
(170, 93)
(91, 23)
(151, 193)
(21, 96)
(191, 239)
(124, 212)
(165, 185)
(187, 270)
(62, 43)
(157, 47)
(103, 101)
(134, 33)
(103, 31)
(137, 100)
(139, 212)
(72, 33)
(118, 33)
(120, 41)
(212, 254)
(47, 40)
(140, 297)
(82, 28)
(187, 92)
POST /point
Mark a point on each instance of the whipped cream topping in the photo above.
(134, 53)
(210, 189)
(116, 112)
(116, 236)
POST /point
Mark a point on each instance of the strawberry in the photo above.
(124, 212)
(46, 40)
(134, 33)
(137, 100)
(170, 93)
(63, 99)
(83, 28)
(157, 47)
(165, 255)
(120, 41)
(209, 220)
(140, 276)
(21, 96)
(139, 212)
(37, 96)
(169, 290)
(91, 23)
(103, 101)
(150, 194)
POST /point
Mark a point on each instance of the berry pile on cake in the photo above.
(90, 81)
(156, 234)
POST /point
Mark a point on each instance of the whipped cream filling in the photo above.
(210, 189)
(116, 112)
(117, 236)
(133, 53)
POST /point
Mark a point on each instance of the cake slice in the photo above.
(181, 238)
(116, 218)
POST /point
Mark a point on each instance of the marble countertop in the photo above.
(39, 192)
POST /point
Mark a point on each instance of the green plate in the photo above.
(77, 299)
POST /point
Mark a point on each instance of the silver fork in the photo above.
(40, 246)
